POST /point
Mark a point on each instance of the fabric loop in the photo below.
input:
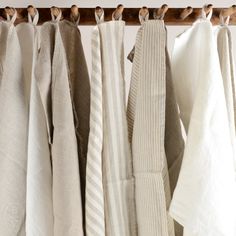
(34, 19)
(57, 19)
(12, 19)
(99, 19)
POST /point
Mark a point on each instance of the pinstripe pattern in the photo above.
(146, 116)
(94, 208)
(118, 180)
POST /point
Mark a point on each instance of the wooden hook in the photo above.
(31, 10)
(160, 13)
(186, 12)
(228, 12)
(55, 11)
(143, 12)
(9, 10)
(208, 8)
(74, 11)
(117, 14)
(98, 11)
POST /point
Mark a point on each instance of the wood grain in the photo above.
(130, 15)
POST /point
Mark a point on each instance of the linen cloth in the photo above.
(94, 205)
(13, 135)
(204, 199)
(53, 82)
(39, 206)
(153, 138)
(117, 173)
(80, 91)
(225, 51)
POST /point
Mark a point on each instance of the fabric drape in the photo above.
(53, 82)
(151, 133)
(95, 218)
(39, 209)
(13, 135)
(204, 199)
(118, 183)
(80, 91)
(225, 51)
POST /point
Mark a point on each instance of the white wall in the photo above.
(130, 31)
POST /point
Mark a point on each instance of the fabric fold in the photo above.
(13, 135)
(150, 133)
(204, 199)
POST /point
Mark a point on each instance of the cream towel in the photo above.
(204, 199)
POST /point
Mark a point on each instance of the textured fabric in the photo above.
(146, 118)
(39, 210)
(118, 183)
(224, 45)
(13, 135)
(80, 90)
(204, 199)
(95, 219)
(52, 77)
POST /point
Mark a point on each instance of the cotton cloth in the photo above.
(39, 206)
(95, 216)
(118, 182)
(80, 91)
(53, 82)
(13, 135)
(153, 137)
(204, 199)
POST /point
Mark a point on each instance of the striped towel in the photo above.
(118, 183)
(146, 119)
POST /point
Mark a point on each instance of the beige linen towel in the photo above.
(52, 77)
(146, 119)
(13, 135)
(80, 91)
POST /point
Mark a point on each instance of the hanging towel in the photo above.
(95, 219)
(118, 182)
(225, 51)
(204, 199)
(53, 81)
(13, 135)
(150, 84)
(80, 91)
(39, 210)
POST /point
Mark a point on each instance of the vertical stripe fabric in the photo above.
(95, 219)
(146, 117)
(118, 182)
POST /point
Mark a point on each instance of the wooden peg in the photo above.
(98, 11)
(55, 11)
(117, 14)
(9, 10)
(31, 10)
(74, 11)
(208, 8)
(160, 13)
(186, 12)
(143, 12)
(228, 12)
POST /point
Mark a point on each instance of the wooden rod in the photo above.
(130, 15)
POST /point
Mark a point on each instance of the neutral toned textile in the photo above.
(95, 219)
(39, 209)
(225, 51)
(118, 182)
(204, 199)
(146, 119)
(13, 135)
(53, 81)
(80, 91)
